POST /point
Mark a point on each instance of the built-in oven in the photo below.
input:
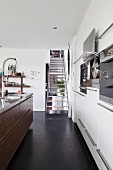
(106, 75)
(83, 78)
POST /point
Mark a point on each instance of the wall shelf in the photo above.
(14, 85)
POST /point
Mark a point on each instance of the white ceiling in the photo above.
(29, 23)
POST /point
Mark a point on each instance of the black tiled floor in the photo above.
(52, 143)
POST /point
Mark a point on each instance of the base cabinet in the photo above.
(96, 123)
(92, 146)
(102, 163)
(14, 134)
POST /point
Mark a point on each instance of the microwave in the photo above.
(106, 76)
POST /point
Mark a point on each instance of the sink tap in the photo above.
(3, 76)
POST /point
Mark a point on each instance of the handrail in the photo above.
(66, 82)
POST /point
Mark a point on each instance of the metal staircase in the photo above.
(57, 96)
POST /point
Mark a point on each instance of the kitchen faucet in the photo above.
(3, 76)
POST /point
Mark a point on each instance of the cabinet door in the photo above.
(82, 114)
(2, 126)
(82, 106)
(75, 107)
(92, 114)
(105, 134)
(12, 117)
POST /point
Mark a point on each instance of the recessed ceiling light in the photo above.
(55, 28)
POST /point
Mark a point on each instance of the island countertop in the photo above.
(6, 103)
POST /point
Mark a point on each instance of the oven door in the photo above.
(106, 80)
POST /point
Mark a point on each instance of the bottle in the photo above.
(6, 93)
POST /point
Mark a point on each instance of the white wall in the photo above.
(28, 60)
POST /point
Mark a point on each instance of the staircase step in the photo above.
(56, 67)
(61, 78)
(57, 106)
(56, 59)
(56, 110)
(57, 96)
(56, 74)
(58, 84)
(59, 113)
(56, 88)
(56, 64)
(51, 101)
(56, 92)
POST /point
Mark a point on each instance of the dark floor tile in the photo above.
(23, 163)
(52, 143)
(65, 164)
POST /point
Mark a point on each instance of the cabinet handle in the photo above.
(79, 93)
(103, 159)
(81, 123)
(102, 105)
(92, 89)
(91, 139)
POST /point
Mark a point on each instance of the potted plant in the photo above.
(61, 86)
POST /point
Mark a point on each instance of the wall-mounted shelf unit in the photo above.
(14, 84)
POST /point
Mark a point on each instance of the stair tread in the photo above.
(58, 96)
(49, 101)
(56, 88)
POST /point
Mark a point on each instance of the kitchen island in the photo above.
(16, 115)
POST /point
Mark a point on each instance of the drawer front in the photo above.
(92, 146)
(102, 162)
(10, 143)
(12, 117)
(82, 128)
(25, 107)
(2, 126)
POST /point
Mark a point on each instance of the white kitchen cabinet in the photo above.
(82, 114)
(92, 146)
(82, 106)
(75, 107)
(105, 134)
(102, 163)
(93, 113)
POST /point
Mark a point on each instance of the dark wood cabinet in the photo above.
(2, 127)
(14, 124)
(12, 117)
(0, 85)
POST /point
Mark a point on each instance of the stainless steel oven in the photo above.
(83, 78)
(106, 75)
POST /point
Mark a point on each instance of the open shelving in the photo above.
(14, 85)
